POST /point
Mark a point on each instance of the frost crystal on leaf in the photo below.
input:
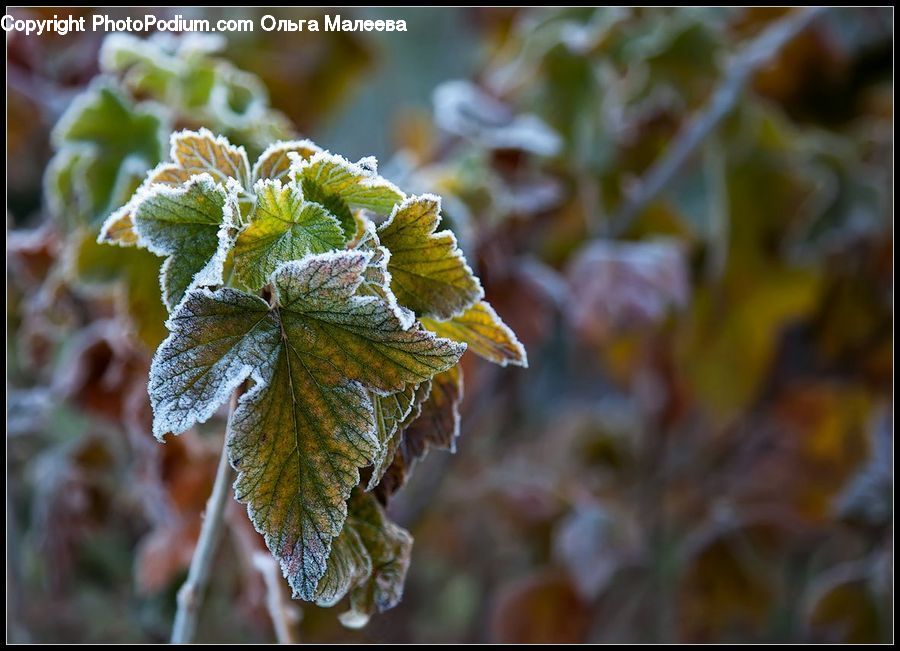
(377, 278)
(198, 152)
(437, 426)
(340, 185)
(369, 562)
(275, 162)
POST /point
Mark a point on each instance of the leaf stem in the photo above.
(190, 596)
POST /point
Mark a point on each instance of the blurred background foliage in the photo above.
(701, 450)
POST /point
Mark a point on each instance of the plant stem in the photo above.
(190, 596)
(284, 614)
(759, 52)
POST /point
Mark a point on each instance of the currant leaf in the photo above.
(369, 562)
(437, 426)
(429, 273)
(105, 145)
(485, 333)
(340, 185)
(275, 162)
(283, 227)
(193, 227)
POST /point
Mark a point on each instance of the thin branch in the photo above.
(753, 57)
(190, 596)
(284, 614)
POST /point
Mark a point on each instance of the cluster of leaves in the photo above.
(276, 274)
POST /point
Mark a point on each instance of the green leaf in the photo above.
(105, 145)
(340, 185)
(429, 273)
(118, 229)
(275, 162)
(437, 426)
(484, 332)
(305, 427)
(369, 561)
(192, 226)
(283, 227)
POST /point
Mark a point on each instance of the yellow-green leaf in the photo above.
(377, 278)
(369, 562)
(132, 273)
(283, 227)
(392, 414)
(437, 426)
(340, 185)
(105, 145)
(429, 273)
(118, 229)
(199, 152)
(275, 162)
(484, 332)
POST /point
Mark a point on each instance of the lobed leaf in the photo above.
(485, 333)
(306, 426)
(283, 227)
(393, 414)
(199, 152)
(340, 185)
(192, 226)
(429, 273)
(105, 145)
(377, 278)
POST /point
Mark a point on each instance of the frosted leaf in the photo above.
(283, 227)
(348, 566)
(485, 333)
(340, 185)
(275, 162)
(193, 227)
(429, 273)
(306, 426)
(392, 414)
(369, 562)
(198, 152)
(377, 278)
(118, 229)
